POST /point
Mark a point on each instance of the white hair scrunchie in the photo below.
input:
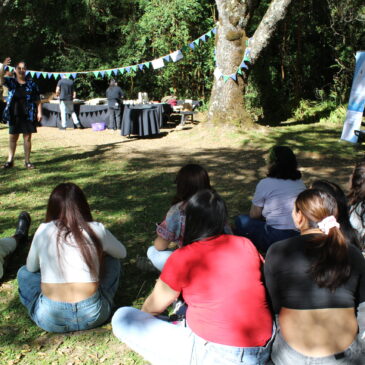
(327, 223)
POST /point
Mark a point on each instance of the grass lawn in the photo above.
(129, 185)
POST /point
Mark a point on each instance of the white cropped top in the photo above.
(67, 265)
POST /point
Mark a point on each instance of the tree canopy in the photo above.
(311, 54)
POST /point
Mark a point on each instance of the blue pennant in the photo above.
(233, 77)
(49, 75)
(128, 69)
(115, 71)
(102, 73)
(140, 66)
(203, 38)
(243, 65)
(214, 30)
(38, 74)
(167, 58)
(74, 75)
(192, 45)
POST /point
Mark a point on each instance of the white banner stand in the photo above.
(356, 102)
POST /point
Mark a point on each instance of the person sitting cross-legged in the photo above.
(270, 217)
(228, 320)
(73, 266)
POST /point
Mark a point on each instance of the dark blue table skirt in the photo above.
(140, 120)
(89, 114)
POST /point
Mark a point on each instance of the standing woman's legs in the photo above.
(27, 138)
(13, 139)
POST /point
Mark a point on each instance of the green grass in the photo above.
(129, 187)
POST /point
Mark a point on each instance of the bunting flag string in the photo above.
(246, 58)
(156, 64)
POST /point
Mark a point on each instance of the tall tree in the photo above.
(226, 103)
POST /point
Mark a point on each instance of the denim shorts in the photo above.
(283, 354)
(63, 317)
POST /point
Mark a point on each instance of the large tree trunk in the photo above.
(226, 102)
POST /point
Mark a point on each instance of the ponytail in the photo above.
(330, 266)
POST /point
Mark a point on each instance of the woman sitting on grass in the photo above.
(190, 179)
(316, 282)
(357, 201)
(73, 266)
(270, 214)
(228, 320)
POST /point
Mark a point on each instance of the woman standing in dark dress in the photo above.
(22, 111)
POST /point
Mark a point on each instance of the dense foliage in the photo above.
(310, 57)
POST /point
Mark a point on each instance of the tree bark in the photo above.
(226, 102)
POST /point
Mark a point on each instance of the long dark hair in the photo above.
(190, 179)
(283, 164)
(330, 262)
(69, 209)
(343, 210)
(206, 216)
(357, 192)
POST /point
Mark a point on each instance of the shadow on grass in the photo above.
(132, 193)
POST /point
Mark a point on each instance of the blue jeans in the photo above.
(163, 343)
(67, 107)
(261, 234)
(63, 317)
(283, 354)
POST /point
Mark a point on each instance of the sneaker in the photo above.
(22, 228)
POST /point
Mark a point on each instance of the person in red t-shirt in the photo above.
(228, 320)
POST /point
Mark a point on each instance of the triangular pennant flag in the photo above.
(197, 41)
(11, 69)
(32, 73)
(217, 73)
(247, 56)
(192, 45)
(102, 73)
(109, 72)
(140, 66)
(233, 77)
(147, 64)
(167, 58)
(158, 63)
(74, 75)
(203, 38)
(209, 34)
(96, 73)
(38, 74)
(226, 78)
(122, 70)
(128, 69)
(134, 68)
(176, 56)
(239, 71)
(214, 30)
(44, 74)
(27, 73)
(115, 71)
(50, 74)
(55, 75)
(243, 65)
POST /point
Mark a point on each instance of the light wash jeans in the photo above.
(163, 343)
(261, 234)
(62, 317)
(158, 258)
(283, 354)
(67, 106)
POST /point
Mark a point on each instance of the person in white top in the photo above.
(73, 266)
(270, 218)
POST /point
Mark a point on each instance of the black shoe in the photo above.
(79, 126)
(22, 228)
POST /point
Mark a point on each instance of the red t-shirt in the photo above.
(221, 282)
